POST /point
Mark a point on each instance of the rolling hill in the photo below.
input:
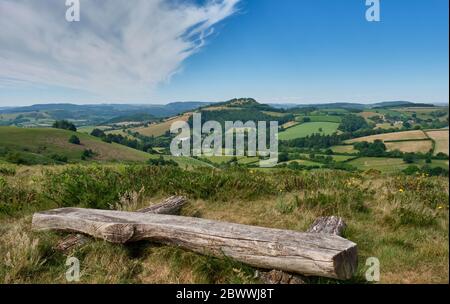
(43, 143)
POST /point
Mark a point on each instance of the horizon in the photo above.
(300, 52)
(220, 101)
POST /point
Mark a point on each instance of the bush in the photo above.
(409, 158)
(74, 140)
(98, 133)
(59, 158)
(88, 153)
(65, 125)
(17, 158)
(162, 162)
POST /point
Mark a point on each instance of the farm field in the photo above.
(423, 146)
(344, 149)
(390, 165)
(160, 129)
(441, 139)
(320, 118)
(309, 128)
(388, 126)
(415, 134)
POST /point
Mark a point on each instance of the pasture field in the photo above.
(48, 141)
(423, 146)
(344, 149)
(89, 129)
(290, 124)
(309, 128)
(401, 220)
(388, 126)
(160, 129)
(390, 165)
(406, 135)
(320, 118)
(441, 138)
(308, 163)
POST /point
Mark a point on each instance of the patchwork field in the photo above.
(344, 149)
(320, 118)
(415, 134)
(423, 146)
(441, 139)
(309, 128)
(161, 128)
(390, 165)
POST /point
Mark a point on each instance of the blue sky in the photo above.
(294, 51)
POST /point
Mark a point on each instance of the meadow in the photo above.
(402, 220)
(309, 128)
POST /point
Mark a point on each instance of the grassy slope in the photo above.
(401, 220)
(309, 128)
(161, 128)
(47, 141)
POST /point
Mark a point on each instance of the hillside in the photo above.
(43, 143)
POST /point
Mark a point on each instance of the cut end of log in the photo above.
(346, 263)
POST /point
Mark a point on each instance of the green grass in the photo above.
(44, 142)
(389, 165)
(320, 118)
(344, 149)
(309, 128)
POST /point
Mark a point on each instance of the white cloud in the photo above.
(120, 49)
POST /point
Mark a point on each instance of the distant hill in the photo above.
(83, 115)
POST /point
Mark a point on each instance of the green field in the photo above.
(309, 128)
(320, 118)
(344, 149)
(390, 165)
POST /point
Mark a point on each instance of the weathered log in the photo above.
(329, 224)
(304, 253)
(171, 205)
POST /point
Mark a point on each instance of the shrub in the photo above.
(162, 162)
(59, 158)
(74, 140)
(87, 153)
(413, 216)
(65, 125)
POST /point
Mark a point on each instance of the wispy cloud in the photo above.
(120, 49)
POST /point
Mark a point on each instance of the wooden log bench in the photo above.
(315, 254)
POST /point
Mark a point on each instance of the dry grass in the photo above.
(416, 134)
(442, 140)
(161, 128)
(411, 245)
(423, 146)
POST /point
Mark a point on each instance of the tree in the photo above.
(74, 140)
(98, 133)
(351, 123)
(409, 158)
(283, 157)
(65, 125)
(306, 119)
